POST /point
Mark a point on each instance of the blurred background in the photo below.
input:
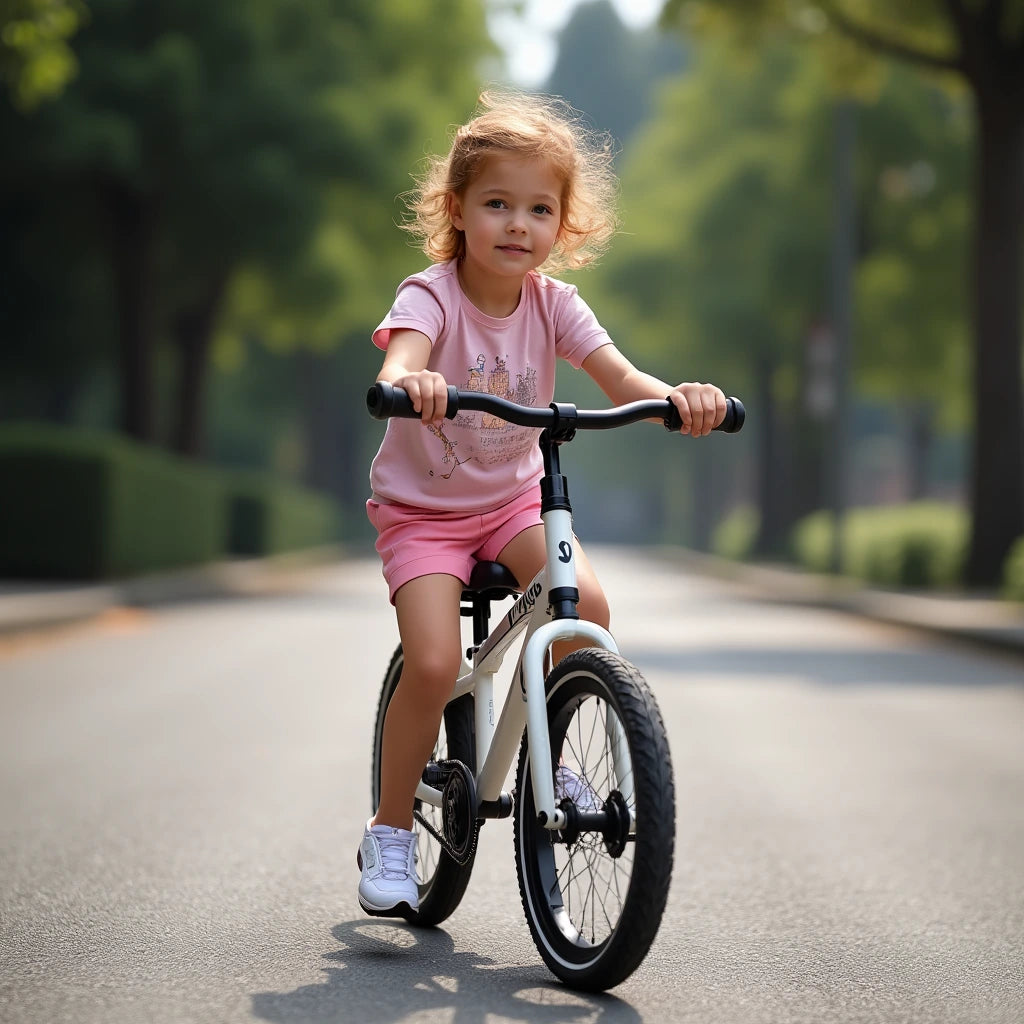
(822, 208)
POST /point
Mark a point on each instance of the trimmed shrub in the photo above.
(735, 535)
(89, 505)
(267, 516)
(917, 545)
(1013, 572)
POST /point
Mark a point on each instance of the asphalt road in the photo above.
(182, 792)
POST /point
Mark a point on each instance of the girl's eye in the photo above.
(541, 208)
(496, 204)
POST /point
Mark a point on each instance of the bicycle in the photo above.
(594, 799)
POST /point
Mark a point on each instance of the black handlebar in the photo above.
(384, 400)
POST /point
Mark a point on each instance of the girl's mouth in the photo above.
(513, 248)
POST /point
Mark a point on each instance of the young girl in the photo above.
(523, 188)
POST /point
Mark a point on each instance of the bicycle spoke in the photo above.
(594, 903)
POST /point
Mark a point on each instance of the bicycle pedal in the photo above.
(436, 774)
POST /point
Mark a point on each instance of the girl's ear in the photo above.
(455, 212)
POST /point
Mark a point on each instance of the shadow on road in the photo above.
(385, 972)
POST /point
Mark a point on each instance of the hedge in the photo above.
(89, 505)
(734, 536)
(1013, 572)
(268, 516)
(922, 544)
(80, 504)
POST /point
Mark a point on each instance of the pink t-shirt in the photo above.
(477, 462)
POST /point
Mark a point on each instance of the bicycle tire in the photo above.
(593, 914)
(442, 881)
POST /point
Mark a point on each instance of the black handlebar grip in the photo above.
(384, 400)
(381, 403)
(735, 414)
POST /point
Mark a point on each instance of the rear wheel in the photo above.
(442, 881)
(594, 899)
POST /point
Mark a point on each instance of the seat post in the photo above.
(489, 581)
(481, 618)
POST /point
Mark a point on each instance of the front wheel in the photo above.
(442, 880)
(594, 901)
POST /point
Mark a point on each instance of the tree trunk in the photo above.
(193, 330)
(328, 443)
(132, 232)
(997, 484)
(920, 432)
(773, 491)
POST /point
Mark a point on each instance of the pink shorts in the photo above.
(414, 542)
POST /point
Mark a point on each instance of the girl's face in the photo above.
(511, 214)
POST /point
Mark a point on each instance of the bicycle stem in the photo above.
(556, 513)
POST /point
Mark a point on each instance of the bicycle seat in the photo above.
(492, 581)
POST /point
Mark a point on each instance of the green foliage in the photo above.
(36, 60)
(268, 516)
(960, 44)
(726, 214)
(406, 72)
(840, 27)
(721, 268)
(916, 545)
(735, 535)
(229, 166)
(93, 506)
(912, 330)
(1013, 572)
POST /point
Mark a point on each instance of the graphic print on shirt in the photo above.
(489, 439)
(449, 451)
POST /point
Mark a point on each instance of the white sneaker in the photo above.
(576, 788)
(387, 857)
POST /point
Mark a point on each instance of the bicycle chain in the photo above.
(462, 862)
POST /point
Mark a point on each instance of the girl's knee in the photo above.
(593, 605)
(429, 677)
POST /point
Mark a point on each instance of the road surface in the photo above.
(182, 792)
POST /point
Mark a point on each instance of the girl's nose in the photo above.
(517, 221)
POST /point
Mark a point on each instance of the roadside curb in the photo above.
(980, 620)
(28, 607)
(976, 619)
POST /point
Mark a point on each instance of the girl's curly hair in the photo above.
(524, 125)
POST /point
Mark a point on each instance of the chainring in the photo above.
(458, 813)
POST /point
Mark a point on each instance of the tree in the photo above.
(983, 44)
(719, 274)
(912, 325)
(317, 313)
(616, 91)
(212, 139)
(393, 74)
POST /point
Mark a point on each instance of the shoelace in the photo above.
(576, 788)
(394, 855)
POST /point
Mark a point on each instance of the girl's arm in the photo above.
(701, 406)
(405, 366)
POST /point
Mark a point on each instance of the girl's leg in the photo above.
(525, 554)
(428, 621)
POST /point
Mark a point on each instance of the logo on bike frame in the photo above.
(525, 604)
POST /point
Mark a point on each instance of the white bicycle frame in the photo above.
(525, 704)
